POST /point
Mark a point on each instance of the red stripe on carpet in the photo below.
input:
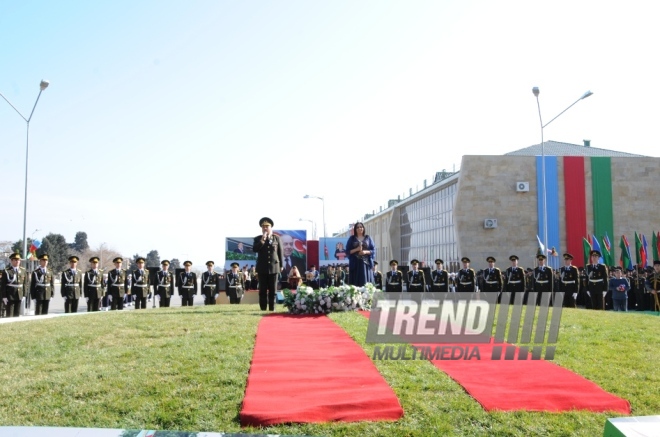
(307, 369)
(526, 385)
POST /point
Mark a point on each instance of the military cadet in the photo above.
(15, 282)
(187, 284)
(42, 286)
(71, 286)
(235, 284)
(394, 278)
(210, 284)
(653, 285)
(439, 278)
(569, 281)
(466, 279)
(140, 284)
(514, 279)
(94, 285)
(270, 262)
(254, 279)
(164, 284)
(117, 283)
(543, 278)
(597, 280)
(416, 280)
(493, 280)
(378, 277)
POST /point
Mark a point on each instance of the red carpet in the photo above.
(526, 385)
(307, 369)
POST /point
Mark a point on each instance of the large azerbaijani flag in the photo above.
(626, 260)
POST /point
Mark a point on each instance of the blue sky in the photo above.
(171, 125)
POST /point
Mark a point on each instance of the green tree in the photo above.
(57, 248)
(80, 242)
(175, 264)
(153, 259)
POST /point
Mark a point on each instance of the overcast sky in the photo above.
(171, 125)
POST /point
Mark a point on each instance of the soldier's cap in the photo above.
(94, 259)
(139, 260)
(312, 266)
(568, 256)
(595, 253)
(165, 262)
(44, 256)
(234, 265)
(266, 220)
(210, 263)
(656, 262)
(490, 259)
(394, 262)
(617, 268)
(187, 263)
(540, 256)
(513, 258)
(465, 259)
(439, 261)
(375, 263)
(414, 261)
(73, 259)
(15, 255)
(118, 260)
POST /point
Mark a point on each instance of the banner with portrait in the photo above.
(294, 245)
(332, 251)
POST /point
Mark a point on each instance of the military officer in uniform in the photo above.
(187, 284)
(466, 279)
(439, 278)
(514, 278)
(93, 285)
(394, 278)
(653, 285)
(42, 286)
(117, 283)
(210, 284)
(15, 282)
(569, 281)
(416, 280)
(543, 278)
(164, 284)
(597, 280)
(140, 284)
(235, 284)
(270, 258)
(71, 286)
(493, 280)
(378, 277)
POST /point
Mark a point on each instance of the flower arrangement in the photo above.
(326, 300)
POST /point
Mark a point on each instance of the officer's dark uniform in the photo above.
(71, 286)
(140, 285)
(439, 278)
(569, 282)
(164, 285)
(514, 279)
(210, 284)
(187, 285)
(15, 282)
(597, 281)
(94, 287)
(543, 279)
(493, 280)
(235, 284)
(416, 280)
(270, 260)
(42, 287)
(466, 279)
(378, 277)
(653, 285)
(117, 285)
(394, 279)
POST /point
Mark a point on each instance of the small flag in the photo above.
(586, 249)
(596, 246)
(626, 260)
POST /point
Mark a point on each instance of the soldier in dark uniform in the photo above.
(439, 278)
(543, 278)
(42, 286)
(416, 281)
(235, 284)
(187, 285)
(71, 286)
(164, 284)
(254, 279)
(378, 277)
(270, 258)
(117, 283)
(653, 285)
(210, 284)
(597, 280)
(394, 278)
(15, 282)
(466, 279)
(93, 285)
(493, 280)
(514, 278)
(140, 284)
(569, 282)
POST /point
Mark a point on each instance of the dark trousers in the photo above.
(233, 295)
(93, 304)
(208, 296)
(267, 289)
(164, 301)
(13, 308)
(140, 303)
(117, 302)
(71, 305)
(42, 307)
(187, 300)
(596, 299)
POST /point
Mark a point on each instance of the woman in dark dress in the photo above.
(360, 248)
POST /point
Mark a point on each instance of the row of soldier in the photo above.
(95, 285)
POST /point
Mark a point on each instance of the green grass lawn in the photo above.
(186, 369)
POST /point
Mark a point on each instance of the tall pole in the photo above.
(307, 196)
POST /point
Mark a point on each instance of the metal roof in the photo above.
(555, 148)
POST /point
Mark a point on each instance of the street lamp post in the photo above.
(313, 226)
(536, 92)
(307, 196)
(42, 86)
